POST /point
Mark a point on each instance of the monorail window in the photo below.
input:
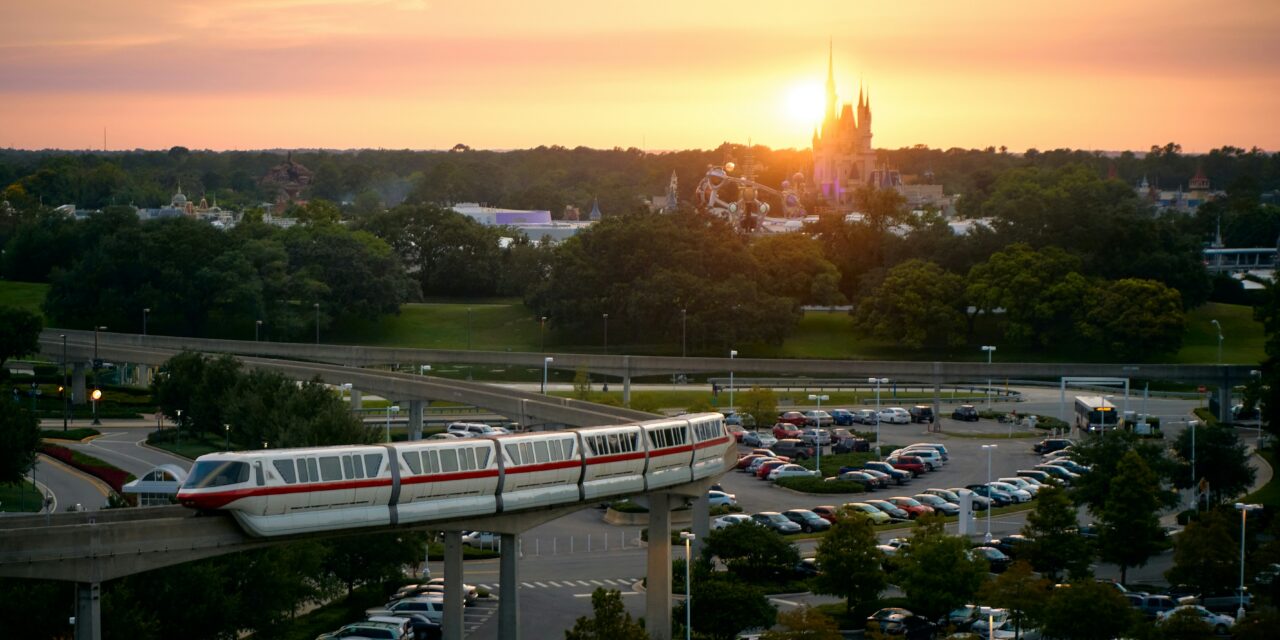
(431, 461)
(303, 476)
(372, 464)
(357, 467)
(330, 468)
(217, 473)
(415, 463)
(285, 469)
(482, 458)
(540, 449)
(347, 468)
(313, 469)
(448, 460)
(566, 448)
(467, 459)
(513, 452)
(526, 453)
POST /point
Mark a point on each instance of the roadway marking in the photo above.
(625, 593)
(541, 585)
(91, 443)
(584, 583)
(526, 585)
(556, 584)
(597, 583)
(786, 602)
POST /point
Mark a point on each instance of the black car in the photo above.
(1012, 545)
(997, 561)
(793, 448)
(901, 623)
(807, 568)
(851, 445)
(808, 520)
(921, 413)
(998, 498)
(1050, 445)
(966, 413)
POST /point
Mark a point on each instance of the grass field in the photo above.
(1269, 493)
(506, 324)
(19, 497)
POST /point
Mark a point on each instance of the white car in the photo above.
(815, 436)
(791, 471)
(895, 415)
(1220, 623)
(430, 606)
(444, 436)
(1022, 483)
(1019, 495)
(730, 520)
(480, 539)
(720, 498)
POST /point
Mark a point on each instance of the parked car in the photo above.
(469, 593)
(1012, 545)
(868, 481)
(1060, 453)
(720, 498)
(867, 416)
(730, 520)
(893, 510)
(1227, 600)
(793, 418)
(431, 606)
(932, 459)
(808, 567)
(908, 463)
(444, 435)
(895, 415)
(736, 431)
(884, 478)
(851, 444)
(745, 461)
(998, 497)
(827, 512)
(420, 626)
(1070, 465)
(1049, 445)
(786, 430)
(816, 437)
(793, 448)
(433, 588)
(768, 467)
(893, 546)
(938, 503)
(808, 520)
(1019, 495)
(754, 467)
(776, 521)
(877, 516)
(921, 413)
(1266, 576)
(899, 476)
(941, 448)
(1216, 621)
(1022, 483)
(997, 561)
(818, 418)
(1038, 475)
(480, 539)
(471, 429)
(913, 507)
(791, 471)
(758, 439)
(907, 625)
(1152, 606)
(965, 413)
(980, 502)
(370, 630)
(1058, 472)
(842, 417)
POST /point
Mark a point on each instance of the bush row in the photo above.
(79, 433)
(819, 485)
(114, 476)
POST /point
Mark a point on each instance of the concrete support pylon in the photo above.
(144, 375)
(78, 384)
(936, 425)
(657, 610)
(626, 381)
(453, 603)
(357, 400)
(701, 522)
(88, 611)
(509, 588)
(1224, 397)
(415, 418)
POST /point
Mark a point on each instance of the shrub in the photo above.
(819, 485)
(114, 476)
(71, 434)
(627, 506)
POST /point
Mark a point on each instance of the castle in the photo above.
(843, 159)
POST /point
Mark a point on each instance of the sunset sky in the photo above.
(425, 74)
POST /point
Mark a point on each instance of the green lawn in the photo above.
(1269, 494)
(19, 497)
(27, 295)
(490, 326)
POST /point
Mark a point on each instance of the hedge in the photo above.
(79, 433)
(819, 485)
(114, 476)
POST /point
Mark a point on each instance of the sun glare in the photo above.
(804, 104)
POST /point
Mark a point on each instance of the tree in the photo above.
(1222, 460)
(917, 304)
(1186, 625)
(1087, 610)
(723, 606)
(19, 437)
(581, 384)
(1104, 454)
(21, 334)
(751, 552)
(805, 623)
(199, 387)
(851, 563)
(372, 558)
(1033, 288)
(1135, 318)
(609, 621)
(1129, 532)
(761, 403)
(1019, 591)
(1054, 545)
(937, 572)
(1204, 554)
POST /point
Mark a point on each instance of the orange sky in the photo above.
(235, 74)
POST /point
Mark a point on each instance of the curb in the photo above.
(102, 487)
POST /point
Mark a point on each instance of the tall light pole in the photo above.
(684, 333)
(989, 448)
(145, 311)
(733, 353)
(391, 408)
(606, 334)
(688, 599)
(1219, 327)
(97, 392)
(227, 429)
(1195, 488)
(257, 329)
(990, 349)
(96, 396)
(1256, 374)
(1244, 515)
(468, 328)
(878, 382)
(546, 363)
(317, 308)
(542, 333)
(817, 437)
(66, 400)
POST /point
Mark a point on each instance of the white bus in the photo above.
(1095, 414)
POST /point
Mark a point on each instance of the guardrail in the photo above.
(888, 392)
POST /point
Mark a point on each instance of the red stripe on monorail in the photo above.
(448, 477)
(672, 451)
(616, 457)
(711, 443)
(544, 466)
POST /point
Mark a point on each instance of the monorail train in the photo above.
(275, 492)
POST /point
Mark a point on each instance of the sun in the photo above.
(804, 104)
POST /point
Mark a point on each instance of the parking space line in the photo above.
(541, 585)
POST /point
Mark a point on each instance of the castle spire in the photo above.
(831, 85)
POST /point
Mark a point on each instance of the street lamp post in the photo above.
(990, 349)
(257, 330)
(542, 333)
(145, 311)
(1244, 514)
(878, 382)
(1219, 327)
(316, 305)
(684, 333)
(688, 599)
(546, 362)
(817, 438)
(1255, 373)
(1195, 489)
(606, 334)
(989, 447)
(96, 396)
(391, 408)
(733, 353)
(468, 328)
(66, 400)
(227, 429)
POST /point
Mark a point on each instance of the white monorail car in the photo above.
(288, 491)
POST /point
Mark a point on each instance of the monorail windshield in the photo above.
(216, 473)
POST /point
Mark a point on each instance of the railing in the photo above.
(971, 392)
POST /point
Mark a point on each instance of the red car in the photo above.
(737, 431)
(786, 430)
(913, 507)
(827, 512)
(765, 468)
(907, 463)
(745, 461)
(793, 418)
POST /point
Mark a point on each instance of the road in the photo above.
(120, 444)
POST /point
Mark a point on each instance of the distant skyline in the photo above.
(661, 75)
